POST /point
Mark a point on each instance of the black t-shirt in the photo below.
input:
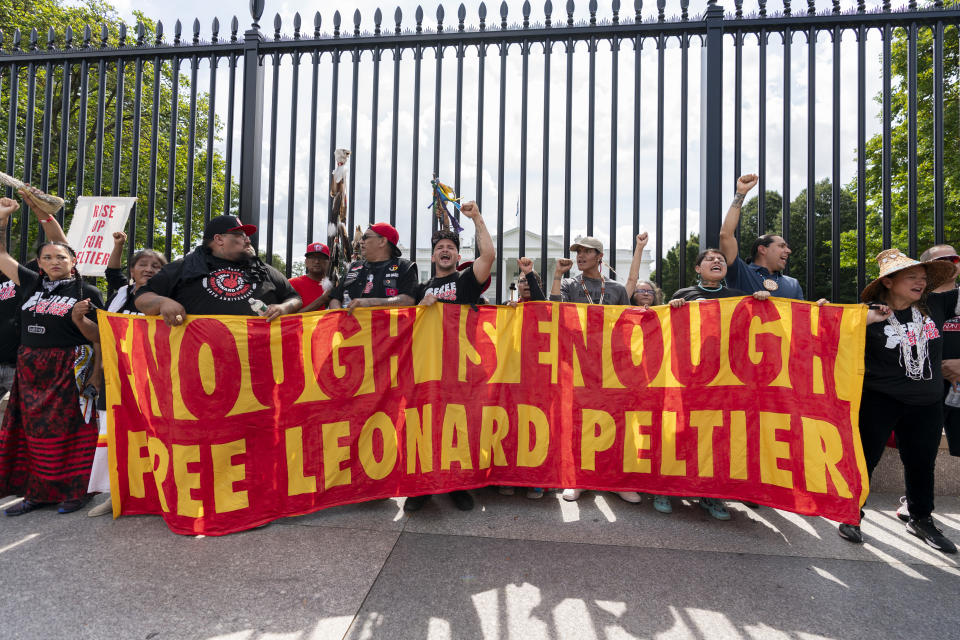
(384, 279)
(9, 320)
(885, 373)
(696, 293)
(460, 287)
(127, 305)
(225, 289)
(10, 302)
(115, 280)
(45, 314)
(951, 336)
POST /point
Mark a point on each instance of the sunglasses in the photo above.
(648, 292)
(953, 259)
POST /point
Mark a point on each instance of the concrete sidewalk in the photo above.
(511, 569)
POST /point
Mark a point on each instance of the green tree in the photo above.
(797, 265)
(873, 188)
(78, 177)
(798, 237)
(671, 267)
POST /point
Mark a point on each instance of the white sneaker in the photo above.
(101, 509)
(572, 494)
(629, 496)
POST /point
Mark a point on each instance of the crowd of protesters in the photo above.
(49, 356)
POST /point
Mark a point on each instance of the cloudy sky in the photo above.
(603, 200)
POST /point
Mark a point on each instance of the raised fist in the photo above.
(564, 264)
(525, 265)
(642, 239)
(747, 182)
(119, 237)
(470, 209)
(7, 207)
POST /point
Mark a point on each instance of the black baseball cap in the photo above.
(226, 224)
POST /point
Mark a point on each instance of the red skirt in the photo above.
(46, 447)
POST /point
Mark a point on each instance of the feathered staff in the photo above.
(337, 229)
(357, 236)
(442, 194)
(48, 204)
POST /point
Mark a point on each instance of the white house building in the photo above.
(507, 263)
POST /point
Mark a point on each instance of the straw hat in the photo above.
(892, 260)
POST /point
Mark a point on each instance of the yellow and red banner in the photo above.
(227, 422)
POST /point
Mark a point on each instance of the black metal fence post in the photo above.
(251, 131)
(711, 128)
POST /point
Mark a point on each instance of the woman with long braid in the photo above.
(49, 432)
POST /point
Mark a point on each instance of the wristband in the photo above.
(50, 219)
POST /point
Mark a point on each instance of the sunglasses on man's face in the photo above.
(954, 259)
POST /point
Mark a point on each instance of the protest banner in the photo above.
(95, 219)
(226, 422)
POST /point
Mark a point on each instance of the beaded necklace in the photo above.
(915, 362)
(603, 289)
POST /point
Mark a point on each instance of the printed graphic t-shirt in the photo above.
(10, 316)
(224, 290)
(45, 317)
(460, 287)
(882, 356)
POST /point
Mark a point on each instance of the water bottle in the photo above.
(259, 306)
(953, 396)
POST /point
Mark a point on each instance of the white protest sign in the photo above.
(91, 230)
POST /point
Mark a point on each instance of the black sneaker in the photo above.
(414, 503)
(902, 511)
(462, 500)
(850, 532)
(926, 530)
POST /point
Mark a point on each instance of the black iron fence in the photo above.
(556, 124)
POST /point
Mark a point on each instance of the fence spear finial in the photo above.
(256, 12)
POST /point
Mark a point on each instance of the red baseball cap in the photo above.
(388, 232)
(317, 247)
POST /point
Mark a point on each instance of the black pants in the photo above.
(951, 426)
(917, 430)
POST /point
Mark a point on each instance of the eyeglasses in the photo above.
(954, 259)
(369, 236)
(648, 292)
